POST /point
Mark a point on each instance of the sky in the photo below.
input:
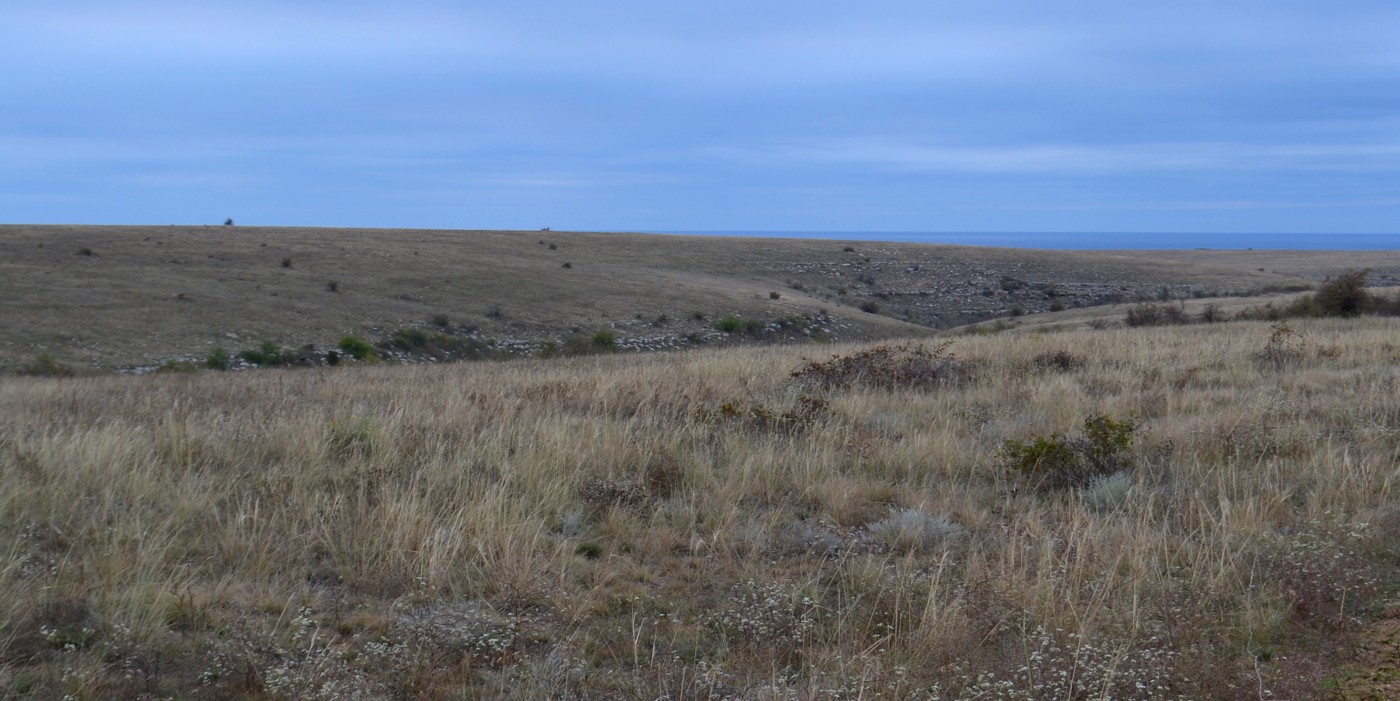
(1025, 115)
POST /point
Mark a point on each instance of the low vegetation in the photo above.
(1345, 296)
(1133, 513)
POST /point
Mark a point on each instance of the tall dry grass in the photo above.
(604, 528)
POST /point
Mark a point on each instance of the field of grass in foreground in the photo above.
(705, 525)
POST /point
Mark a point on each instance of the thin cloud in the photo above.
(1085, 159)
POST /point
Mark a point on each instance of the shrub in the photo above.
(903, 366)
(332, 286)
(286, 262)
(1344, 295)
(1283, 349)
(46, 365)
(85, 251)
(265, 355)
(1057, 305)
(913, 530)
(775, 295)
(1057, 462)
(849, 249)
(578, 344)
(803, 415)
(870, 307)
(1108, 493)
(217, 359)
(177, 365)
(605, 341)
(228, 222)
(410, 339)
(567, 265)
(441, 320)
(729, 324)
(1144, 315)
(356, 348)
(548, 349)
(1057, 361)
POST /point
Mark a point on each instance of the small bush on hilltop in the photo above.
(1058, 462)
(902, 366)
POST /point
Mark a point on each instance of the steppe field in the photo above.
(1085, 510)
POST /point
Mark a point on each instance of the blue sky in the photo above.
(830, 116)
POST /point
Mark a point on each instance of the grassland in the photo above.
(706, 525)
(99, 298)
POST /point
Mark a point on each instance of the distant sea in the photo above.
(1098, 241)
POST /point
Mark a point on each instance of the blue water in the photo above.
(1099, 240)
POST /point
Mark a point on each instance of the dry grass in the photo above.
(599, 528)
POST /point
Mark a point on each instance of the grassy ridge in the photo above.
(705, 525)
(105, 297)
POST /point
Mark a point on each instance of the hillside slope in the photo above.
(113, 296)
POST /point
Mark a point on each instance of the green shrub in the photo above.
(177, 365)
(729, 324)
(266, 355)
(357, 348)
(439, 346)
(605, 341)
(411, 339)
(1344, 295)
(1058, 462)
(353, 436)
(217, 359)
